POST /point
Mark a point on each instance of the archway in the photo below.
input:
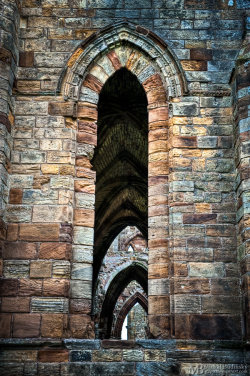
(130, 302)
(132, 272)
(143, 54)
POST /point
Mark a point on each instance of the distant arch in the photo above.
(134, 271)
(127, 306)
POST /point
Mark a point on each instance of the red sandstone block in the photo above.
(158, 305)
(157, 271)
(82, 172)
(93, 83)
(56, 287)
(158, 256)
(26, 59)
(158, 114)
(158, 168)
(19, 250)
(39, 232)
(81, 326)
(52, 325)
(30, 287)
(57, 251)
(220, 230)
(40, 269)
(158, 134)
(185, 142)
(84, 217)
(16, 196)
(83, 162)
(12, 232)
(182, 326)
(87, 138)
(88, 112)
(152, 82)
(26, 325)
(199, 218)
(200, 54)
(114, 60)
(157, 95)
(85, 185)
(8, 287)
(53, 356)
(87, 126)
(180, 269)
(15, 304)
(5, 324)
(156, 243)
(159, 326)
(191, 286)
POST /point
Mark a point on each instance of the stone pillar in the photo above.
(158, 276)
(9, 56)
(242, 153)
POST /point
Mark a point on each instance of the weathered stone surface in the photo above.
(26, 325)
(49, 305)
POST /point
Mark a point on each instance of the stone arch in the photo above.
(115, 36)
(134, 271)
(128, 305)
(160, 74)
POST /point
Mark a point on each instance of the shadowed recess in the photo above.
(120, 161)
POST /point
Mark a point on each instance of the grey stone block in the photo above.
(112, 369)
(83, 344)
(157, 369)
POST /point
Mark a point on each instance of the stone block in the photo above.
(19, 250)
(159, 326)
(157, 271)
(48, 213)
(15, 304)
(155, 355)
(5, 323)
(53, 356)
(26, 59)
(16, 269)
(206, 269)
(81, 271)
(28, 287)
(189, 142)
(8, 287)
(80, 356)
(52, 325)
(83, 235)
(15, 196)
(112, 369)
(107, 355)
(40, 269)
(61, 269)
(56, 287)
(80, 306)
(31, 108)
(48, 369)
(18, 213)
(83, 254)
(39, 232)
(80, 289)
(158, 286)
(158, 305)
(84, 217)
(26, 325)
(132, 355)
(55, 305)
(57, 251)
(81, 326)
(187, 304)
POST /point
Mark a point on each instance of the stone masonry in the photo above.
(117, 113)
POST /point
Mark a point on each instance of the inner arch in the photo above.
(120, 161)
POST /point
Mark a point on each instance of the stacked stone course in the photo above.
(192, 59)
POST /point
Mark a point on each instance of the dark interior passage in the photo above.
(120, 161)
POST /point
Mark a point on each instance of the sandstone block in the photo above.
(84, 217)
(28, 287)
(81, 271)
(19, 250)
(83, 235)
(80, 289)
(15, 304)
(158, 286)
(80, 306)
(56, 287)
(39, 232)
(107, 355)
(83, 254)
(53, 356)
(5, 322)
(154, 355)
(15, 196)
(81, 326)
(52, 325)
(40, 269)
(26, 59)
(26, 325)
(158, 305)
(18, 213)
(51, 214)
(58, 251)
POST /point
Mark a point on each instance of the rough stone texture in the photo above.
(183, 179)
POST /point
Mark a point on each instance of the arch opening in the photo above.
(120, 161)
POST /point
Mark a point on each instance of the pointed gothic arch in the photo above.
(127, 306)
(157, 69)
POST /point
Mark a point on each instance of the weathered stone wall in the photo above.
(198, 161)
